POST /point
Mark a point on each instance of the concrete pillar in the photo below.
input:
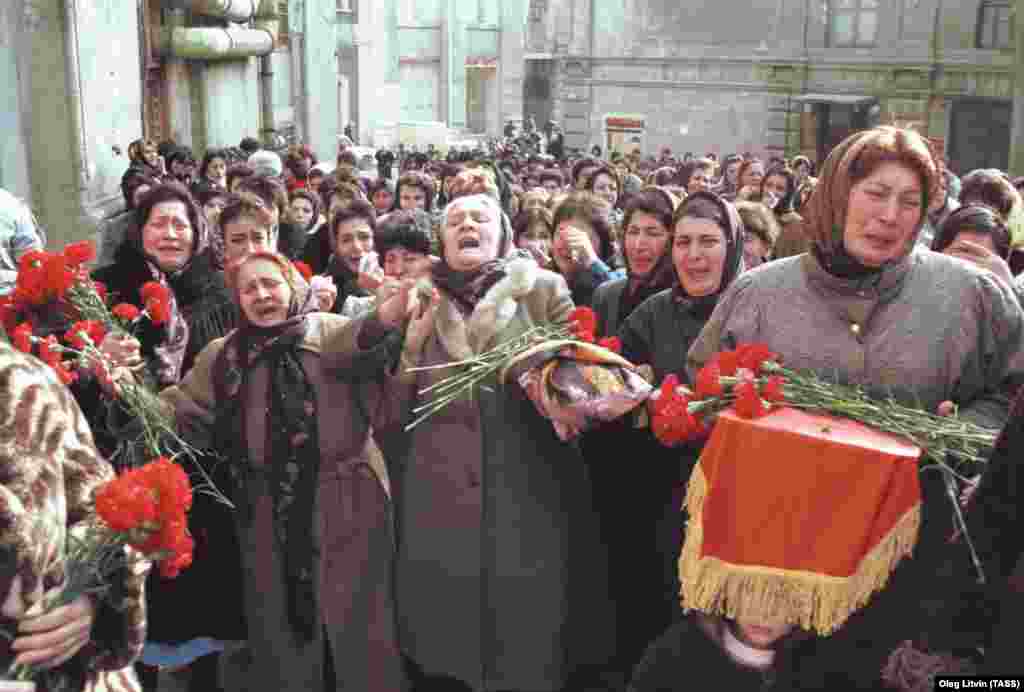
(320, 71)
(1017, 128)
(511, 60)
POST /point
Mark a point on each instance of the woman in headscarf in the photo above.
(867, 307)
(499, 563)
(977, 234)
(678, 264)
(779, 193)
(292, 417)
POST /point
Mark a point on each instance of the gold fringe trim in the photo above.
(817, 602)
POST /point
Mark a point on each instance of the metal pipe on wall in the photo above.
(215, 43)
(238, 11)
(267, 19)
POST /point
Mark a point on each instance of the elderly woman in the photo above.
(498, 561)
(280, 401)
(868, 307)
(700, 254)
(582, 247)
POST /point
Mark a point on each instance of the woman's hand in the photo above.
(395, 306)
(421, 322)
(370, 281)
(50, 639)
(121, 350)
(580, 249)
(946, 408)
(982, 257)
(325, 291)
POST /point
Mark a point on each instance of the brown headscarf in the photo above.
(852, 160)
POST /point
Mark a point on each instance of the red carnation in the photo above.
(728, 362)
(304, 269)
(79, 253)
(85, 333)
(66, 375)
(49, 351)
(10, 313)
(126, 504)
(583, 322)
(59, 276)
(753, 356)
(675, 424)
(772, 389)
(157, 299)
(709, 383)
(21, 337)
(666, 393)
(748, 401)
(612, 343)
(31, 283)
(126, 312)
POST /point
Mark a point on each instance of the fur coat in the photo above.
(51, 470)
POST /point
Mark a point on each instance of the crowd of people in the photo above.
(479, 550)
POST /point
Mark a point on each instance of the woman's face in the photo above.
(168, 235)
(354, 240)
(401, 263)
(761, 634)
(560, 251)
(731, 171)
(383, 200)
(244, 236)
(646, 240)
(699, 181)
(301, 210)
(754, 250)
(263, 293)
(753, 175)
(537, 237)
(412, 197)
(883, 213)
(776, 186)
(217, 171)
(151, 156)
(606, 188)
(212, 210)
(471, 234)
(698, 255)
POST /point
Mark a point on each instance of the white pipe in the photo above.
(215, 43)
(73, 84)
(238, 11)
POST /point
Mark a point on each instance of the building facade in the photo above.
(84, 78)
(455, 63)
(772, 76)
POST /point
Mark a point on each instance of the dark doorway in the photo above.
(979, 134)
(837, 121)
(537, 91)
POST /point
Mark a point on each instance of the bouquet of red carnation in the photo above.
(751, 380)
(140, 516)
(573, 378)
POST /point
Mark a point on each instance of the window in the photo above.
(852, 23)
(995, 25)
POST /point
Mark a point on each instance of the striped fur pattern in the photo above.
(49, 471)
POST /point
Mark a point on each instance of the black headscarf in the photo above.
(703, 306)
(293, 437)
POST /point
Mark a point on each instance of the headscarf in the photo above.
(825, 212)
(702, 306)
(292, 463)
(468, 287)
(787, 202)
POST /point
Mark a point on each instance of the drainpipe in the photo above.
(267, 20)
(73, 84)
(237, 11)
